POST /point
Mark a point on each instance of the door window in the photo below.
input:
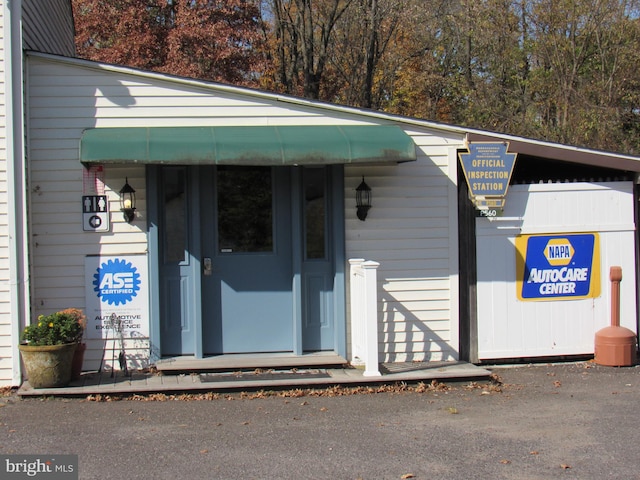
(314, 184)
(175, 214)
(245, 209)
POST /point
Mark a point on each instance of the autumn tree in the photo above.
(362, 62)
(303, 32)
(123, 32)
(432, 62)
(205, 39)
(496, 60)
(585, 54)
(559, 70)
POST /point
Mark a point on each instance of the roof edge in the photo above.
(558, 151)
(278, 97)
(524, 145)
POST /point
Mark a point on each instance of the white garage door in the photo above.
(509, 327)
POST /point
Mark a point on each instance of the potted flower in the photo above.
(78, 356)
(48, 345)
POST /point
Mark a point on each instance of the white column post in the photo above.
(357, 311)
(372, 368)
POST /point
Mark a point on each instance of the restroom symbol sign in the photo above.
(95, 213)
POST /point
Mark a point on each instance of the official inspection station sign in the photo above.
(487, 168)
(558, 267)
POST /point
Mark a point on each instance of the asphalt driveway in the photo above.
(539, 422)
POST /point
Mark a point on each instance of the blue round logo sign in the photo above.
(116, 282)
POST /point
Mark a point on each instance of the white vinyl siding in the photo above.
(57, 240)
(6, 365)
(48, 26)
(407, 231)
(512, 328)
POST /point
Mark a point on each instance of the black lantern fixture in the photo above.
(128, 201)
(363, 200)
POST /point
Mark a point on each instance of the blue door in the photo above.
(178, 260)
(247, 286)
(317, 268)
(251, 260)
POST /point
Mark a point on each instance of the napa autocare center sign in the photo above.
(487, 168)
(116, 295)
(557, 267)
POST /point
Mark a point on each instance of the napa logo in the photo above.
(116, 282)
(559, 251)
(557, 267)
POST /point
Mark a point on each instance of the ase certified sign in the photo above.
(117, 296)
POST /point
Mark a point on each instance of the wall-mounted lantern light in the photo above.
(363, 200)
(128, 201)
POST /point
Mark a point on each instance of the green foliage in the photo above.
(65, 326)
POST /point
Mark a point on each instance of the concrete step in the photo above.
(234, 362)
(145, 382)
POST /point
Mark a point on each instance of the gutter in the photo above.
(16, 185)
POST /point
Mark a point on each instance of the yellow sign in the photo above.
(487, 167)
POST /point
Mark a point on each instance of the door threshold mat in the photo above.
(263, 375)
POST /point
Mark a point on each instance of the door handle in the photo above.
(208, 266)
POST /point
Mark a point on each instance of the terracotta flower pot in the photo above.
(78, 360)
(48, 365)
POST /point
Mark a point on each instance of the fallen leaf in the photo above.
(245, 423)
(564, 466)
(453, 410)
(505, 461)
(204, 450)
(407, 475)
(535, 452)
(323, 409)
(557, 383)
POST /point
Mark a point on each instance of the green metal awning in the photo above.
(262, 145)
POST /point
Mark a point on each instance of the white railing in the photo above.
(364, 315)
